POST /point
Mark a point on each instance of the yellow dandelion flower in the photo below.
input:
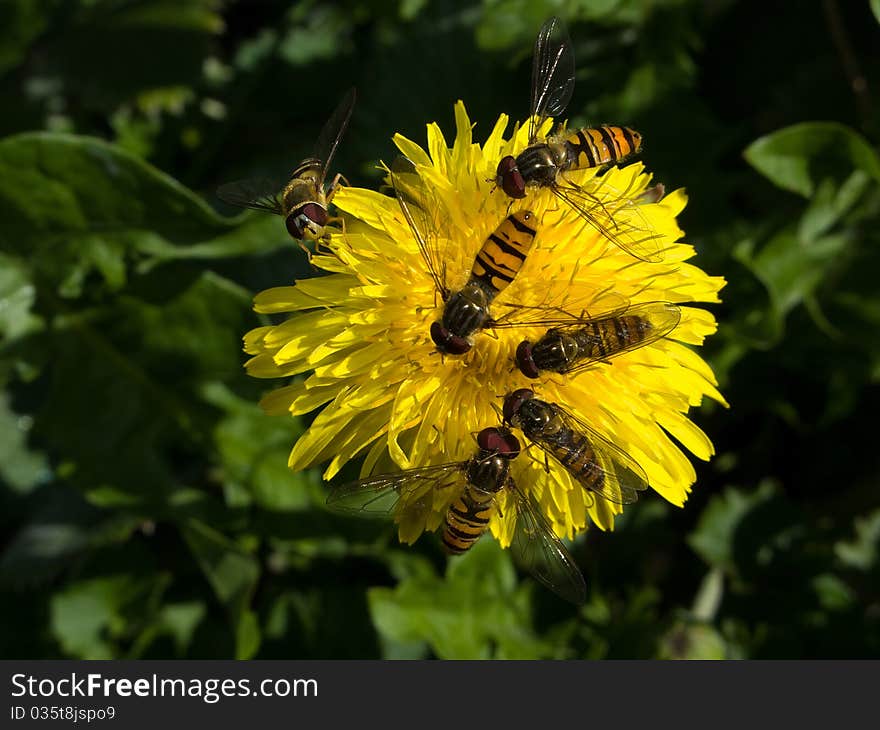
(359, 336)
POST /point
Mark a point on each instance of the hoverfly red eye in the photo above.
(510, 179)
(314, 212)
(499, 441)
(307, 220)
(448, 343)
(524, 360)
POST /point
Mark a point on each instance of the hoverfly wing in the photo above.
(418, 207)
(618, 219)
(378, 496)
(574, 314)
(624, 478)
(332, 132)
(552, 75)
(539, 552)
(658, 318)
(653, 194)
(258, 193)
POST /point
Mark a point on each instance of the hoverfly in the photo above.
(301, 200)
(568, 348)
(543, 163)
(590, 459)
(472, 487)
(496, 264)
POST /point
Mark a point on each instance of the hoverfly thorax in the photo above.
(539, 164)
(466, 311)
(557, 347)
(513, 403)
(488, 473)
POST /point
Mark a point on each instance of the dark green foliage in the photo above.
(147, 507)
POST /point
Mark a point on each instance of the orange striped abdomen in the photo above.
(505, 251)
(594, 146)
(575, 452)
(606, 337)
(467, 519)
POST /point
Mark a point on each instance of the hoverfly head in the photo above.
(509, 178)
(448, 343)
(307, 221)
(513, 402)
(499, 441)
(524, 360)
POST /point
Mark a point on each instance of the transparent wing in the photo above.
(655, 319)
(334, 129)
(622, 477)
(378, 496)
(617, 218)
(421, 211)
(259, 193)
(653, 194)
(573, 314)
(552, 74)
(539, 552)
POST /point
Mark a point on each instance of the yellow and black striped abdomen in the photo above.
(575, 452)
(606, 337)
(505, 251)
(594, 146)
(467, 519)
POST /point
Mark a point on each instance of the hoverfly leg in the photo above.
(308, 252)
(334, 185)
(322, 242)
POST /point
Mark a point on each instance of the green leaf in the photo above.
(88, 617)
(713, 538)
(253, 449)
(21, 22)
(54, 535)
(693, 641)
(863, 550)
(833, 593)
(792, 271)
(180, 621)
(476, 612)
(320, 37)
(875, 8)
(799, 157)
(247, 635)
(231, 571)
(21, 468)
(708, 598)
(197, 15)
(17, 295)
(73, 205)
(146, 360)
(152, 44)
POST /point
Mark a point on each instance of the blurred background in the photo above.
(146, 506)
